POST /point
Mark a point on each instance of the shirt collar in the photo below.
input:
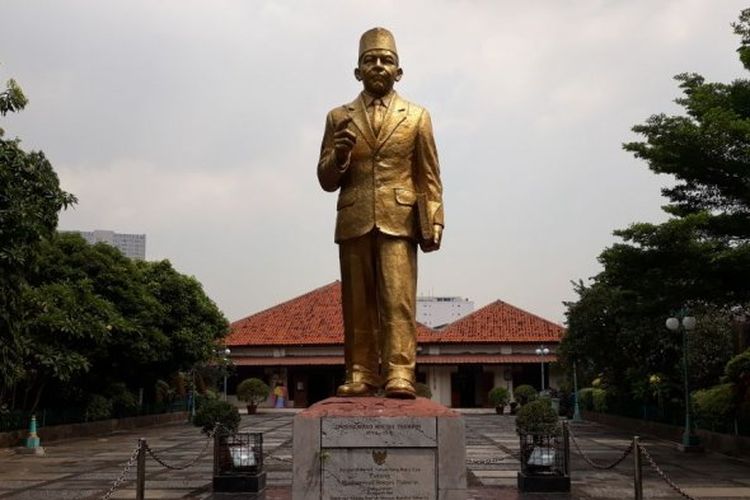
(367, 98)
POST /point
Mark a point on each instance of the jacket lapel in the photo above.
(397, 112)
(358, 114)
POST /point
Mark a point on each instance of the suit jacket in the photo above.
(380, 182)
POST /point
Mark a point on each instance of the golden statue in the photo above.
(380, 152)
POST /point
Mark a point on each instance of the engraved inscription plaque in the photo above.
(367, 432)
(379, 473)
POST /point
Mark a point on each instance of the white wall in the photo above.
(439, 382)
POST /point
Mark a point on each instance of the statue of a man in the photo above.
(380, 152)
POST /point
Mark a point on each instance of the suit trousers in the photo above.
(379, 295)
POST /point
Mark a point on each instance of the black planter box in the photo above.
(543, 483)
(250, 483)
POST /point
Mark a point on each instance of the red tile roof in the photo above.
(315, 319)
(500, 322)
(439, 359)
(310, 319)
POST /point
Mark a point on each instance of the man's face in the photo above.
(378, 70)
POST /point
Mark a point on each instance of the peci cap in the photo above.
(377, 38)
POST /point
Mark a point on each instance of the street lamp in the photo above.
(689, 439)
(542, 351)
(226, 352)
(576, 408)
(192, 394)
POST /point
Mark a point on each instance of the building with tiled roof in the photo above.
(500, 322)
(300, 343)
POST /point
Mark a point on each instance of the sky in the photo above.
(199, 124)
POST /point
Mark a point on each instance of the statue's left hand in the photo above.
(437, 237)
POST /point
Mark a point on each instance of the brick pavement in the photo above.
(85, 468)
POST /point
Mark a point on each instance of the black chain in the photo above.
(116, 484)
(593, 464)
(192, 462)
(663, 474)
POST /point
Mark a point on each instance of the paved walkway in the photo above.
(85, 468)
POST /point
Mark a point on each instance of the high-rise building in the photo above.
(131, 245)
(440, 311)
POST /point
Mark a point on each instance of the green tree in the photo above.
(30, 200)
(97, 321)
(189, 318)
(12, 98)
(699, 258)
(65, 323)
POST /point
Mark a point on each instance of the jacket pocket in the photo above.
(405, 197)
(346, 198)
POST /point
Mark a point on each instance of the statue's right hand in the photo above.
(343, 141)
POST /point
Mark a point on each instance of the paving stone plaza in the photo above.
(85, 468)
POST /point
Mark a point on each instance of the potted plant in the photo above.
(212, 413)
(543, 449)
(525, 394)
(253, 391)
(423, 390)
(513, 407)
(537, 418)
(498, 397)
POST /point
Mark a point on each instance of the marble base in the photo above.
(23, 450)
(378, 448)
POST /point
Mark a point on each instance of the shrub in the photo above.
(214, 412)
(524, 394)
(423, 390)
(537, 417)
(599, 400)
(163, 392)
(586, 398)
(210, 394)
(253, 391)
(714, 407)
(98, 408)
(498, 396)
(738, 369)
(124, 402)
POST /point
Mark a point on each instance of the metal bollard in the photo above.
(140, 484)
(637, 472)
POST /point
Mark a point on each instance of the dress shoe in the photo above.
(400, 388)
(355, 389)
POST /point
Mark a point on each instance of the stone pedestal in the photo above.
(378, 448)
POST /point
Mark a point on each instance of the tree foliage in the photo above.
(30, 199)
(95, 319)
(82, 322)
(12, 98)
(253, 391)
(697, 261)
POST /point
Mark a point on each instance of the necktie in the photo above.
(378, 113)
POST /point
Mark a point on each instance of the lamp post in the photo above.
(542, 351)
(225, 353)
(576, 408)
(690, 441)
(192, 394)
